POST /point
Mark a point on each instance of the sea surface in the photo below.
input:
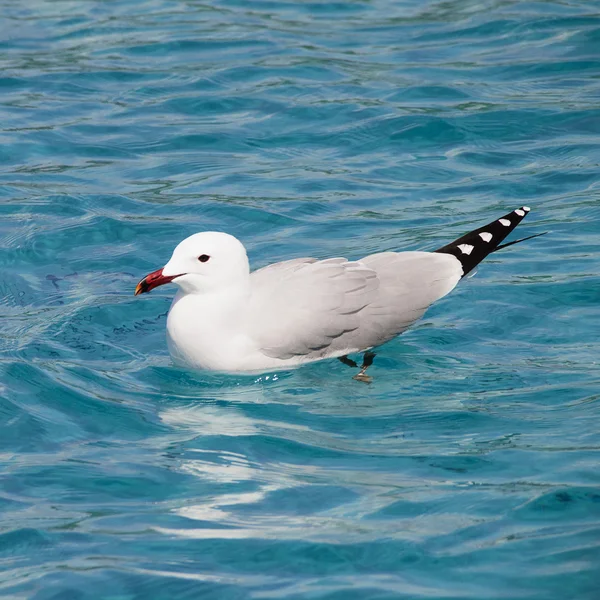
(468, 469)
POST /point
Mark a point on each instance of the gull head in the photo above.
(202, 263)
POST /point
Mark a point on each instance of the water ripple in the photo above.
(468, 469)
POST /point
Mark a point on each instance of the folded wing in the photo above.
(307, 304)
(409, 282)
(332, 307)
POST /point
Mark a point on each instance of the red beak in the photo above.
(153, 280)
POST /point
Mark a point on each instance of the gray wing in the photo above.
(409, 282)
(316, 308)
(302, 306)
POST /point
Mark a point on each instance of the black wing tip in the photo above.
(471, 248)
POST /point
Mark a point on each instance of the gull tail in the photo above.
(473, 247)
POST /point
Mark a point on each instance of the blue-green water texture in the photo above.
(470, 467)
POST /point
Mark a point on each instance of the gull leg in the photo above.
(348, 361)
(367, 362)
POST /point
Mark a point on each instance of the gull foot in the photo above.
(348, 361)
(367, 362)
(363, 377)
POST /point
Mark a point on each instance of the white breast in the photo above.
(207, 331)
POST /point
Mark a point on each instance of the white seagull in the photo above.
(226, 318)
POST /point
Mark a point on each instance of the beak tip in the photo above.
(151, 281)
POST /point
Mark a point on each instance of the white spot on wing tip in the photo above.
(504, 222)
(526, 208)
(485, 236)
(520, 212)
(465, 248)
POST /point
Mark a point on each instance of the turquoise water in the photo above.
(469, 469)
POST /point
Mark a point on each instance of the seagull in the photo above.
(226, 318)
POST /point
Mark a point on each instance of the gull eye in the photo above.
(203, 257)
